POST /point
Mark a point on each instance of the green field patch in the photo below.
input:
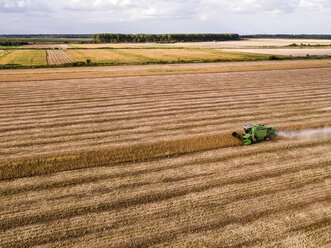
(9, 47)
(23, 57)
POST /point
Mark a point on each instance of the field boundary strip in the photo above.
(124, 154)
(89, 72)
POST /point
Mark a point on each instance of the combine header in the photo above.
(255, 132)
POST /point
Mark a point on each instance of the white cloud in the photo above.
(317, 5)
(23, 6)
(98, 5)
(146, 9)
(220, 13)
(255, 6)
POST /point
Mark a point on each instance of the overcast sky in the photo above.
(165, 16)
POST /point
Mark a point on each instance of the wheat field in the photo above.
(149, 161)
(156, 55)
(24, 57)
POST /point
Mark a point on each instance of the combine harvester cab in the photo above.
(254, 133)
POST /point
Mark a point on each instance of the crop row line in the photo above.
(277, 147)
(90, 98)
(82, 231)
(138, 116)
(132, 109)
(146, 198)
(171, 96)
(114, 132)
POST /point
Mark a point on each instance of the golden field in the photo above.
(142, 156)
(131, 56)
(24, 57)
(40, 55)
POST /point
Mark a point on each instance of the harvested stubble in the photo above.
(148, 70)
(286, 52)
(100, 56)
(220, 44)
(117, 45)
(183, 54)
(107, 121)
(268, 194)
(48, 46)
(57, 57)
(240, 196)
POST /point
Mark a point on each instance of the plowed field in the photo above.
(57, 57)
(212, 193)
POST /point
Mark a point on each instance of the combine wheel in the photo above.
(267, 138)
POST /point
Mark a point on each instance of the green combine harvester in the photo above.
(255, 132)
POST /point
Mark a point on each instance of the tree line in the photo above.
(289, 36)
(113, 38)
(13, 43)
(24, 36)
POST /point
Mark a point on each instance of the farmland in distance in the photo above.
(57, 57)
(35, 55)
(131, 56)
(23, 57)
(285, 52)
(42, 56)
(214, 194)
(245, 43)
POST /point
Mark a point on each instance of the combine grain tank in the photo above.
(255, 132)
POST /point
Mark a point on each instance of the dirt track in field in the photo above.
(269, 194)
(48, 46)
(286, 52)
(57, 57)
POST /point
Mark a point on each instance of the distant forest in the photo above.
(103, 38)
(22, 36)
(13, 43)
(288, 36)
(166, 38)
